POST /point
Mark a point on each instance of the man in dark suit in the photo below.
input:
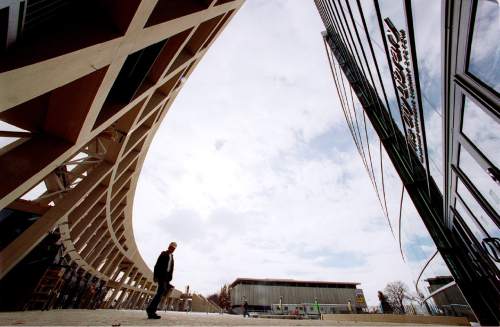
(245, 309)
(163, 271)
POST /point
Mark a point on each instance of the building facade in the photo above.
(84, 86)
(418, 84)
(449, 300)
(266, 294)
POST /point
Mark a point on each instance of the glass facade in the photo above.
(416, 245)
(484, 60)
(473, 198)
(480, 179)
(427, 130)
(427, 19)
(482, 130)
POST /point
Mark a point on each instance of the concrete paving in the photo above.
(138, 318)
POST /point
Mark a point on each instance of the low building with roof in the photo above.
(447, 297)
(290, 294)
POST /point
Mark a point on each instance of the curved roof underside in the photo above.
(82, 97)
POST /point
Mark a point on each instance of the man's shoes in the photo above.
(152, 315)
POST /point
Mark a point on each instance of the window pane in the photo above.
(374, 158)
(365, 45)
(448, 301)
(417, 243)
(470, 222)
(378, 47)
(478, 212)
(482, 130)
(485, 221)
(485, 54)
(393, 187)
(435, 269)
(481, 180)
(357, 116)
(427, 17)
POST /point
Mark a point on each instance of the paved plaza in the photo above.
(138, 318)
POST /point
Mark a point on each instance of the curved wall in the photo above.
(80, 101)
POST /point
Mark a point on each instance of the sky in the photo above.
(254, 173)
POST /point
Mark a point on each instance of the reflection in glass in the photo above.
(485, 53)
(482, 130)
(378, 46)
(470, 222)
(448, 299)
(370, 143)
(374, 156)
(436, 268)
(371, 69)
(393, 188)
(485, 221)
(418, 246)
(481, 180)
(357, 115)
(427, 17)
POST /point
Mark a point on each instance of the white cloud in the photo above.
(253, 172)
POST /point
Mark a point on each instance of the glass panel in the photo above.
(418, 245)
(427, 17)
(484, 60)
(378, 47)
(435, 268)
(448, 301)
(371, 148)
(478, 212)
(354, 112)
(393, 188)
(374, 156)
(357, 116)
(482, 130)
(481, 180)
(484, 220)
(359, 48)
(470, 222)
(366, 48)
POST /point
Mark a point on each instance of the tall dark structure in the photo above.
(418, 83)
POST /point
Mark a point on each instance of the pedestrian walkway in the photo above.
(70, 317)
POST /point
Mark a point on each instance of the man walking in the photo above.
(163, 271)
(245, 309)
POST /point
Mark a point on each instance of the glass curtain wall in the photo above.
(370, 31)
(416, 245)
(473, 201)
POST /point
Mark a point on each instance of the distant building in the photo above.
(448, 298)
(199, 303)
(267, 294)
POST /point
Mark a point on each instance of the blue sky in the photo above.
(253, 171)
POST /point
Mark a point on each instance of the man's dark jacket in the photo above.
(160, 271)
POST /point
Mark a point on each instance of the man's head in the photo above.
(171, 247)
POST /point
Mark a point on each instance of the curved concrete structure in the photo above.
(81, 98)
